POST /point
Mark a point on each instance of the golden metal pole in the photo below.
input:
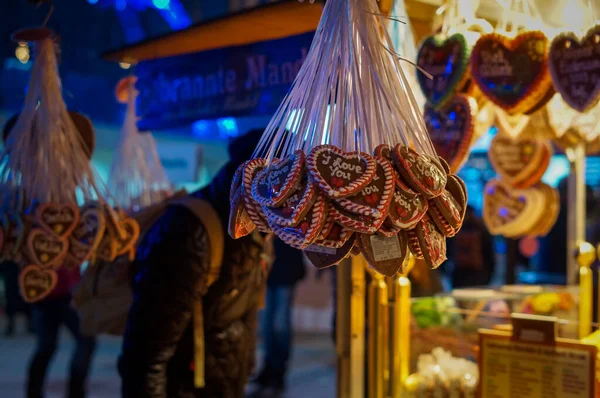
(378, 325)
(576, 208)
(350, 328)
(585, 257)
(401, 330)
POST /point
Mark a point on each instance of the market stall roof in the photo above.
(263, 23)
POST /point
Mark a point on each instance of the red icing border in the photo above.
(316, 224)
(290, 181)
(306, 201)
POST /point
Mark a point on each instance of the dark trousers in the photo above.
(48, 316)
(277, 329)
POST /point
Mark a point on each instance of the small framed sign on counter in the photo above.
(529, 360)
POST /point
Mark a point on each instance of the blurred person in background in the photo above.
(471, 253)
(48, 316)
(13, 300)
(276, 319)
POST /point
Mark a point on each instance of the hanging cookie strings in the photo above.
(45, 156)
(351, 92)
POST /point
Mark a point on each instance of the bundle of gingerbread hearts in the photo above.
(387, 204)
(62, 235)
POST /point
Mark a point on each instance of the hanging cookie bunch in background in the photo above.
(512, 71)
(346, 163)
(45, 173)
(456, 114)
(137, 178)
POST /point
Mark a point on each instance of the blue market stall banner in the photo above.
(249, 80)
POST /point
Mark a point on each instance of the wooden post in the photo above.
(350, 328)
(378, 345)
(576, 209)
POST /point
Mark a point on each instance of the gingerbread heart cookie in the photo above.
(388, 230)
(447, 210)
(575, 68)
(431, 242)
(374, 199)
(447, 61)
(340, 174)
(520, 161)
(361, 223)
(277, 181)
(36, 283)
(45, 249)
(385, 151)
(384, 255)
(132, 233)
(236, 182)
(512, 73)
(407, 207)
(240, 223)
(109, 245)
(78, 253)
(333, 235)
(413, 244)
(324, 257)
(511, 212)
(421, 172)
(90, 228)
(58, 219)
(253, 209)
(307, 230)
(295, 207)
(452, 129)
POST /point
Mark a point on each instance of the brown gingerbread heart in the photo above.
(431, 242)
(512, 72)
(78, 252)
(308, 229)
(253, 209)
(384, 254)
(421, 172)
(36, 282)
(277, 181)
(90, 228)
(340, 174)
(109, 245)
(132, 233)
(333, 235)
(452, 129)
(575, 68)
(58, 219)
(407, 207)
(374, 199)
(294, 208)
(45, 249)
(240, 223)
(520, 161)
(236, 182)
(324, 257)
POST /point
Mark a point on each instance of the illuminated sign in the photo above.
(248, 80)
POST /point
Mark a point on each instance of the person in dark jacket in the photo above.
(288, 269)
(173, 264)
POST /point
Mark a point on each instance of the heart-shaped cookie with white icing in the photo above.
(249, 172)
(513, 72)
(407, 207)
(333, 235)
(374, 199)
(340, 174)
(58, 219)
(307, 230)
(45, 249)
(78, 253)
(295, 207)
(511, 212)
(90, 228)
(520, 161)
(277, 181)
(575, 68)
(240, 223)
(384, 254)
(132, 233)
(36, 283)
(421, 172)
(431, 242)
(452, 129)
(447, 61)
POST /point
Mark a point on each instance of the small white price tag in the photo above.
(385, 248)
(321, 249)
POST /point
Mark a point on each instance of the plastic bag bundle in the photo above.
(137, 177)
(345, 164)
